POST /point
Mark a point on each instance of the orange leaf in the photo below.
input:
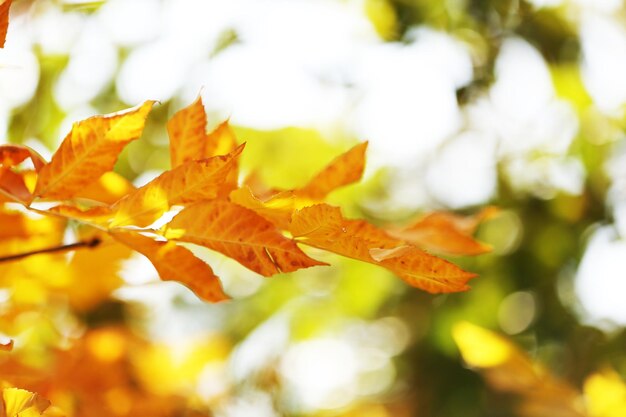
(241, 234)
(193, 181)
(11, 155)
(187, 132)
(4, 20)
(343, 170)
(322, 226)
(88, 151)
(446, 233)
(176, 263)
(189, 140)
(13, 186)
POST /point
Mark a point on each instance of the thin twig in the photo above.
(72, 246)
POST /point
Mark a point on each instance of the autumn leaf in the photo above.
(108, 189)
(188, 137)
(176, 263)
(13, 186)
(323, 227)
(277, 209)
(19, 402)
(343, 170)
(12, 155)
(4, 20)
(446, 233)
(188, 183)
(88, 151)
(6, 347)
(238, 233)
(187, 133)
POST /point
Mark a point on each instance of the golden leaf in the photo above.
(88, 151)
(323, 227)
(221, 140)
(343, 170)
(193, 181)
(176, 263)
(19, 402)
(239, 233)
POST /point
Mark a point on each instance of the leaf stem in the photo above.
(92, 243)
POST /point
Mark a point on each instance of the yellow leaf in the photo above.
(193, 181)
(323, 227)
(4, 20)
(19, 402)
(88, 151)
(176, 263)
(343, 170)
(94, 273)
(241, 234)
(108, 189)
(605, 393)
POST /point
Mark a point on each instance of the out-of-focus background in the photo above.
(465, 103)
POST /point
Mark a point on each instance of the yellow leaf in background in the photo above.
(193, 181)
(108, 189)
(482, 348)
(88, 151)
(23, 227)
(21, 403)
(322, 226)
(506, 368)
(187, 133)
(176, 263)
(4, 20)
(343, 170)
(241, 234)
(605, 394)
(94, 273)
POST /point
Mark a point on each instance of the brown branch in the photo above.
(72, 246)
